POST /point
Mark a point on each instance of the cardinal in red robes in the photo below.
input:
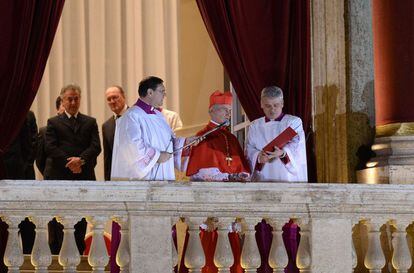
(218, 157)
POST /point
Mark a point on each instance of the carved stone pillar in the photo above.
(374, 258)
(278, 258)
(401, 257)
(303, 258)
(223, 256)
(13, 255)
(194, 256)
(69, 256)
(250, 256)
(98, 256)
(123, 256)
(41, 256)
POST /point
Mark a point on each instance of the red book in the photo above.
(280, 141)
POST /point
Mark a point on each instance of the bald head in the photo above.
(115, 97)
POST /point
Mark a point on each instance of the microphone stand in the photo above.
(202, 137)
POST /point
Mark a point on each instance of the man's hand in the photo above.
(239, 177)
(193, 138)
(277, 153)
(74, 164)
(263, 157)
(164, 156)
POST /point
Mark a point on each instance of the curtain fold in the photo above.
(26, 36)
(262, 43)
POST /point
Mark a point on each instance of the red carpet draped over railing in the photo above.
(27, 29)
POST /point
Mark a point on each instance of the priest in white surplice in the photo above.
(286, 164)
(144, 142)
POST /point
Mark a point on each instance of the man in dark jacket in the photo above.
(72, 140)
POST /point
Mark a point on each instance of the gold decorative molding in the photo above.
(395, 129)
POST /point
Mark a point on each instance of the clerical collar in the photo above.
(69, 115)
(215, 124)
(122, 112)
(279, 118)
(146, 107)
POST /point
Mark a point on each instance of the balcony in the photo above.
(344, 227)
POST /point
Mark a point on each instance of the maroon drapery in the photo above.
(27, 29)
(262, 43)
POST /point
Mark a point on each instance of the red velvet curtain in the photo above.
(26, 35)
(262, 43)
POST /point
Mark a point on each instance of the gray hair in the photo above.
(71, 86)
(272, 92)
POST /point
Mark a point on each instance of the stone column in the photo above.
(374, 258)
(69, 256)
(304, 258)
(150, 240)
(98, 256)
(123, 256)
(401, 257)
(394, 101)
(194, 256)
(13, 255)
(41, 256)
(250, 256)
(278, 258)
(223, 256)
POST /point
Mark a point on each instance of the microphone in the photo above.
(202, 137)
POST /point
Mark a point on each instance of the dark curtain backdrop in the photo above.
(262, 43)
(27, 29)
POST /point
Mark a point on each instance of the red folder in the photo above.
(281, 140)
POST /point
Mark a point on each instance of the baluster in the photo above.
(194, 257)
(354, 256)
(303, 257)
(13, 255)
(122, 255)
(174, 256)
(374, 258)
(401, 257)
(69, 256)
(98, 256)
(250, 256)
(278, 258)
(41, 256)
(223, 256)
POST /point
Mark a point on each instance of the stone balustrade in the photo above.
(343, 227)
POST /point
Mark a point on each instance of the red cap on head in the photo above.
(219, 97)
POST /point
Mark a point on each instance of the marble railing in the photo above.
(344, 227)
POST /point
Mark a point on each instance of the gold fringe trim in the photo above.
(395, 129)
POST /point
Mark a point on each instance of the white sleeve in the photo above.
(251, 151)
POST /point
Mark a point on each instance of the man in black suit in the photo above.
(115, 97)
(72, 143)
(72, 140)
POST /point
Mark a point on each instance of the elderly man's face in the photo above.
(220, 112)
(115, 100)
(71, 101)
(272, 107)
